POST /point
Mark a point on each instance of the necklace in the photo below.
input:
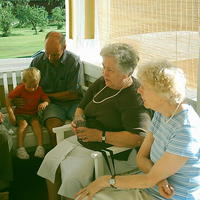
(177, 107)
(106, 97)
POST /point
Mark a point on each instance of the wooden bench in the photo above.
(10, 78)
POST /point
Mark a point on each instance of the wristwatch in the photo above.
(103, 137)
(112, 181)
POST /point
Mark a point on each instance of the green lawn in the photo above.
(23, 43)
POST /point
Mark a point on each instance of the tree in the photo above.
(21, 14)
(58, 15)
(32, 15)
(20, 11)
(6, 18)
(37, 16)
(59, 3)
(20, 2)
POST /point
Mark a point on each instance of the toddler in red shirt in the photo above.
(34, 100)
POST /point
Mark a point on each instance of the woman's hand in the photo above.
(78, 121)
(89, 134)
(93, 188)
(165, 189)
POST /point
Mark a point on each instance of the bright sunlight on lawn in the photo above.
(23, 43)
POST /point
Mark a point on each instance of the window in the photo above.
(156, 28)
(166, 29)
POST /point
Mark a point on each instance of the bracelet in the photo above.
(103, 137)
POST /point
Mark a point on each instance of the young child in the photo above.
(32, 95)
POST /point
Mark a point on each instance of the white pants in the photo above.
(115, 194)
(77, 167)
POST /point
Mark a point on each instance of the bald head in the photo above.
(54, 46)
(57, 36)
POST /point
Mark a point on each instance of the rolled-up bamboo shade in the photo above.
(156, 28)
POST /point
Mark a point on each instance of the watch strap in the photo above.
(112, 181)
(103, 137)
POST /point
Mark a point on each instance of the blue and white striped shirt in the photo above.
(180, 136)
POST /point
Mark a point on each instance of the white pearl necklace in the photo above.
(106, 97)
(167, 121)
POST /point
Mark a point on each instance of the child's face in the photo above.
(31, 86)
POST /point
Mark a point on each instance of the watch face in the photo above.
(112, 181)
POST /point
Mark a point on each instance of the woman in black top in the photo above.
(113, 112)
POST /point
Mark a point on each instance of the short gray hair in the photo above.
(126, 57)
(167, 80)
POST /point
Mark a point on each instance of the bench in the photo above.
(11, 77)
(89, 73)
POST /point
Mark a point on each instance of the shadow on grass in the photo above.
(13, 34)
(16, 34)
(52, 25)
(24, 57)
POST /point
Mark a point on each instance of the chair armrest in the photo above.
(60, 132)
(98, 163)
(84, 88)
(99, 160)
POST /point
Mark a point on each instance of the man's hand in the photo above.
(63, 96)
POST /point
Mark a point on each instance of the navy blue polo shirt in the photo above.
(65, 76)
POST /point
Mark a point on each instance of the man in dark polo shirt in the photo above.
(60, 73)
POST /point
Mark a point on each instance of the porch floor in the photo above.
(27, 185)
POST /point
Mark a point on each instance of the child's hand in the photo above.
(42, 106)
(1, 117)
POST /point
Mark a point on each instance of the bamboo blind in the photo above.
(156, 28)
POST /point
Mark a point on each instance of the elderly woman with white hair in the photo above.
(170, 154)
(113, 111)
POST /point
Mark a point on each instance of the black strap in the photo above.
(112, 159)
(103, 151)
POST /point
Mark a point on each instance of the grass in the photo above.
(23, 42)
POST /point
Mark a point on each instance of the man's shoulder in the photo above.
(70, 56)
(69, 53)
(38, 59)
